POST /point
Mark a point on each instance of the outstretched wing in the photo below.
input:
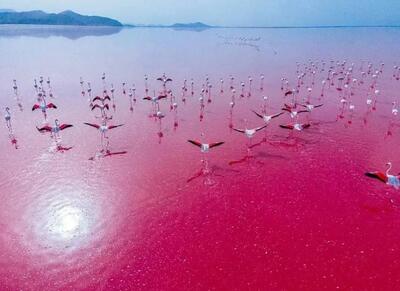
(95, 106)
(162, 97)
(302, 111)
(64, 126)
(239, 130)
(107, 98)
(319, 105)
(168, 80)
(51, 105)
(261, 127)
(36, 106)
(276, 115)
(258, 114)
(306, 125)
(97, 98)
(377, 175)
(92, 125)
(44, 128)
(288, 126)
(215, 144)
(147, 98)
(287, 93)
(196, 143)
(160, 79)
(114, 126)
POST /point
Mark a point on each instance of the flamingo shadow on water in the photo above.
(106, 152)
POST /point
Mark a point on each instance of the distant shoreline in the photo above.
(203, 27)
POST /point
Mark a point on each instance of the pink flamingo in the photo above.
(385, 177)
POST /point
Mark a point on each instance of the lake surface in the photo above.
(297, 213)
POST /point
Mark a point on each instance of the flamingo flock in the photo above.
(301, 96)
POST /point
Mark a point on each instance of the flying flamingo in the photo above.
(102, 107)
(102, 99)
(250, 133)
(103, 128)
(164, 80)
(386, 178)
(267, 118)
(296, 126)
(204, 148)
(292, 111)
(54, 130)
(44, 106)
(55, 133)
(310, 107)
(155, 99)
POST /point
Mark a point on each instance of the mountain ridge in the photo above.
(67, 17)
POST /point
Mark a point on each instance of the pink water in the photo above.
(299, 215)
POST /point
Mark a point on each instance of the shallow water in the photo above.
(299, 215)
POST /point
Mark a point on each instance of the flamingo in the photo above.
(102, 99)
(293, 113)
(55, 133)
(310, 107)
(13, 140)
(164, 80)
(102, 107)
(296, 126)
(43, 106)
(103, 128)
(267, 118)
(205, 147)
(7, 117)
(54, 129)
(395, 110)
(386, 178)
(250, 133)
(155, 99)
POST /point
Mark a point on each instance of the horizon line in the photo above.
(262, 27)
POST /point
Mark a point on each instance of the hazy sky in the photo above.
(228, 12)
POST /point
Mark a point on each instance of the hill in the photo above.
(68, 17)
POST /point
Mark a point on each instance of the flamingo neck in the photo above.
(388, 169)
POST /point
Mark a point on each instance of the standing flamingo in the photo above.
(7, 117)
